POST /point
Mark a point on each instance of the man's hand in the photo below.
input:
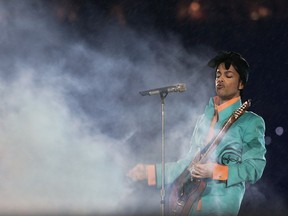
(203, 170)
(138, 172)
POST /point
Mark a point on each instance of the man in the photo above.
(239, 157)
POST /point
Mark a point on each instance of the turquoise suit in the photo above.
(242, 149)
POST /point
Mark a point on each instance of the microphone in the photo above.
(179, 87)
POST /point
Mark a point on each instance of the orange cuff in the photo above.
(199, 205)
(220, 172)
(151, 174)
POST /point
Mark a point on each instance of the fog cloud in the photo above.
(72, 119)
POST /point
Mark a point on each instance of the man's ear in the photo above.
(241, 85)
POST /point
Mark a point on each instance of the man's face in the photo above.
(227, 83)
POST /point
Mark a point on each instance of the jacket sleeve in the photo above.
(174, 169)
(253, 162)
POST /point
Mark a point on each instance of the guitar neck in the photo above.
(207, 151)
(215, 142)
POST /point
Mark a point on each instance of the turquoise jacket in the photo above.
(242, 149)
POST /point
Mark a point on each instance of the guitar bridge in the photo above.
(180, 203)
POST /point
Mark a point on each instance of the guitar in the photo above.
(186, 191)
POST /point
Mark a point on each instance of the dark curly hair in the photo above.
(232, 58)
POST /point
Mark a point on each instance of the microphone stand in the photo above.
(163, 95)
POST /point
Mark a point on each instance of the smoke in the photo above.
(48, 159)
(72, 120)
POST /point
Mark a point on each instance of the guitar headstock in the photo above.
(240, 111)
